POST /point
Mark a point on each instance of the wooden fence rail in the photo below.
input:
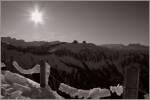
(44, 73)
(131, 82)
(131, 79)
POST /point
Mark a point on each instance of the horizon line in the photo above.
(74, 40)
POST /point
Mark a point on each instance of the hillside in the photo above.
(81, 65)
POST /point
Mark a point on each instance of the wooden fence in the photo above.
(131, 80)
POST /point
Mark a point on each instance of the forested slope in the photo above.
(81, 65)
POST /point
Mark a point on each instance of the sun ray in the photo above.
(37, 16)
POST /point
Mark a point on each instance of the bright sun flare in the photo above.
(36, 16)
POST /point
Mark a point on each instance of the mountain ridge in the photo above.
(39, 43)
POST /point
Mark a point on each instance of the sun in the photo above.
(37, 16)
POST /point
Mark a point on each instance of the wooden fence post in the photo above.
(131, 83)
(42, 74)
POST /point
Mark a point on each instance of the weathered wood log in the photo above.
(44, 74)
(35, 69)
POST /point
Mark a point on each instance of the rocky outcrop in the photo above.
(15, 86)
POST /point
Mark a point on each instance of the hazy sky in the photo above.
(97, 22)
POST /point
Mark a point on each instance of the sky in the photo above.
(98, 22)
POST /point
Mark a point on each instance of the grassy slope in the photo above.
(81, 65)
